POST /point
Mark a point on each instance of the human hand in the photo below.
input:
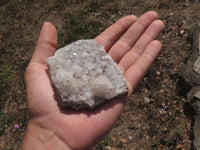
(132, 45)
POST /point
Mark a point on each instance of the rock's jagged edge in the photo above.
(82, 106)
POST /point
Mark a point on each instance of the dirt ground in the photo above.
(157, 115)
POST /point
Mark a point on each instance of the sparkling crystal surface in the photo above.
(85, 76)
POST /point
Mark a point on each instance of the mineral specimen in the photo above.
(85, 76)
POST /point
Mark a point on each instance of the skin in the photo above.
(132, 45)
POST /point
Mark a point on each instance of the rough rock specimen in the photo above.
(85, 76)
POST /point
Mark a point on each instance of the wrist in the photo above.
(38, 138)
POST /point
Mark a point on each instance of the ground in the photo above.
(157, 115)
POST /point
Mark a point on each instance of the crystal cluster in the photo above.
(85, 76)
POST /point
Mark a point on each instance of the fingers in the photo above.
(113, 33)
(131, 36)
(135, 72)
(46, 44)
(151, 33)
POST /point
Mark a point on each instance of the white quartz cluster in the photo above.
(85, 76)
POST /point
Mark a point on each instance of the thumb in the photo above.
(46, 44)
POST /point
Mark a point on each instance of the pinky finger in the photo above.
(136, 72)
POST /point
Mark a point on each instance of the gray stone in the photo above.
(197, 66)
(85, 76)
(196, 141)
(193, 94)
(197, 95)
(189, 75)
(196, 43)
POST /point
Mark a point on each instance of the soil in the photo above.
(157, 115)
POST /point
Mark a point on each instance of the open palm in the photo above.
(132, 45)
